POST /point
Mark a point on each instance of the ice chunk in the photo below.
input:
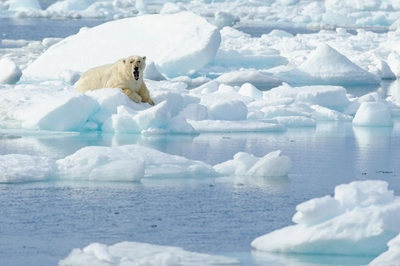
(358, 220)
(103, 164)
(171, 8)
(69, 113)
(69, 6)
(69, 76)
(333, 97)
(151, 71)
(271, 165)
(134, 253)
(373, 114)
(223, 19)
(193, 46)
(325, 65)
(10, 73)
(128, 163)
(16, 168)
(249, 90)
(228, 110)
(326, 114)
(195, 111)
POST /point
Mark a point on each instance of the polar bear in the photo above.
(126, 74)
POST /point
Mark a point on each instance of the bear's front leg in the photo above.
(132, 95)
(144, 93)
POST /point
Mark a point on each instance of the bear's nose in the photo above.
(136, 68)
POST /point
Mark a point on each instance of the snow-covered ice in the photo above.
(271, 165)
(322, 63)
(194, 45)
(359, 219)
(15, 168)
(10, 73)
(135, 253)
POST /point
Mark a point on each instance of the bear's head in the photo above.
(135, 64)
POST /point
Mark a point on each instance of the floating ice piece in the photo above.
(271, 165)
(103, 164)
(15, 168)
(357, 220)
(325, 65)
(193, 46)
(134, 253)
(10, 73)
(373, 114)
(128, 163)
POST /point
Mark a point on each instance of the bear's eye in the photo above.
(139, 61)
(131, 62)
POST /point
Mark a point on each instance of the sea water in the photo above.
(42, 222)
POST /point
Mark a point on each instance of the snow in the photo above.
(356, 220)
(373, 114)
(135, 253)
(127, 163)
(339, 71)
(271, 165)
(206, 75)
(194, 45)
(16, 168)
(10, 73)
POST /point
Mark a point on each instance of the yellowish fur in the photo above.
(118, 75)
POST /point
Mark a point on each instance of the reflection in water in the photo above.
(278, 259)
(370, 141)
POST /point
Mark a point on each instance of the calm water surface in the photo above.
(44, 221)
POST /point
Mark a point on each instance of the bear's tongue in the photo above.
(136, 74)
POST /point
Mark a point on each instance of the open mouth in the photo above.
(136, 74)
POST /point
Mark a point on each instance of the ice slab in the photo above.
(194, 44)
(135, 253)
(128, 163)
(16, 168)
(271, 165)
(357, 220)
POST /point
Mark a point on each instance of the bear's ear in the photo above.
(144, 58)
(124, 61)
